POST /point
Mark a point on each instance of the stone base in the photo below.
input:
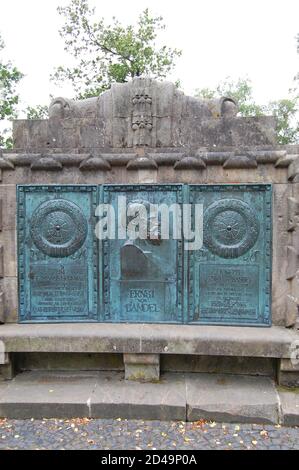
(114, 338)
(142, 367)
(7, 367)
(231, 398)
(289, 407)
(218, 397)
(215, 349)
(46, 394)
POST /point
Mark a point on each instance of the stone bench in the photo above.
(148, 341)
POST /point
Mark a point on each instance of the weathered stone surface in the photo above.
(66, 394)
(8, 198)
(69, 361)
(163, 136)
(213, 173)
(143, 112)
(46, 163)
(288, 371)
(114, 397)
(8, 254)
(231, 398)
(10, 293)
(95, 163)
(282, 313)
(2, 317)
(149, 339)
(142, 367)
(7, 366)
(219, 364)
(41, 394)
(240, 161)
(289, 401)
(47, 395)
(143, 163)
(187, 163)
(293, 252)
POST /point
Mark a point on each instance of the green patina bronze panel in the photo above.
(68, 274)
(142, 278)
(57, 253)
(229, 278)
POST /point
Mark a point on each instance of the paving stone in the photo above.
(290, 407)
(231, 398)
(132, 434)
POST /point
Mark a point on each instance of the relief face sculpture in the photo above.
(143, 273)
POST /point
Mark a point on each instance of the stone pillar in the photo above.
(1, 307)
(142, 367)
(288, 373)
(7, 371)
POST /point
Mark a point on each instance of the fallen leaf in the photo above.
(187, 439)
(199, 424)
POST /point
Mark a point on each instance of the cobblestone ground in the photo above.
(130, 434)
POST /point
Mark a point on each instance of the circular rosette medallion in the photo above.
(58, 228)
(231, 228)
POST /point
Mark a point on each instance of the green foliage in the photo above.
(9, 99)
(38, 112)
(107, 53)
(285, 110)
(240, 90)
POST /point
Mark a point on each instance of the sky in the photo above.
(219, 38)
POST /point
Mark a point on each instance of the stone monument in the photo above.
(64, 291)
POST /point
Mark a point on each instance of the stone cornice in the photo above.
(178, 159)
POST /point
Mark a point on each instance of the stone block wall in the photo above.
(149, 132)
(285, 205)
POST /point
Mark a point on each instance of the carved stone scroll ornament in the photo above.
(142, 121)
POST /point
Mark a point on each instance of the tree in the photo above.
(240, 90)
(9, 99)
(40, 111)
(105, 54)
(285, 110)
